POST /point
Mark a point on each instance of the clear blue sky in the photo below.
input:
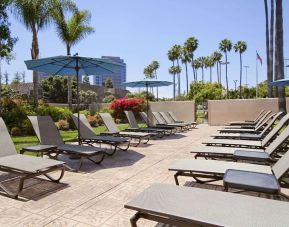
(144, 30)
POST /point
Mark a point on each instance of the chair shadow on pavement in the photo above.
(34, 188)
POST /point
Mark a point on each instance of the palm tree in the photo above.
(225, 46)
(174, 70)
(209, 63)
(177, 50)
(279, 54)
(172, 58)
(149, 72)
(217, 56)
(185, 60)
(71, 31)
(155, 65)
(36, 15)
(191, 45)
(202, 65)
(196, 64)
(241, 47)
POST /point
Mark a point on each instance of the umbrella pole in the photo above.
(147, 99)
(77, 94)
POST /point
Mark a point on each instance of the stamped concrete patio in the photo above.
(96, 196)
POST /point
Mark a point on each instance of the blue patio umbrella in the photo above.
(280, 83)
(74, 66)
(147, 84)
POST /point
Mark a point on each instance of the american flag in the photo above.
(259, 58)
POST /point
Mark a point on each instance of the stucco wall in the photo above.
(184, 110)
(224, 111)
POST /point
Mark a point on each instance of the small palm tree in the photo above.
(71, 31)
(156, 65)
(217, 56)
(36, 15)
(172, 58)
(240, 47)
(149, 72)
(202, 65)
(185, 57)
(174, 70)
(177, 50)
(191, 45)
(225, 46)
(196, 64)
(209, 63)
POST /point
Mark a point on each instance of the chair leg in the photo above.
(112, 153)
(59, 178)
(134, 219)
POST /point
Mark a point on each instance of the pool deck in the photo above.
(96, 195)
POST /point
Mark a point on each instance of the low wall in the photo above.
(221, 112)
(184, 110)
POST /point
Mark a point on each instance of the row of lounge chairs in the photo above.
(51, 144)
(262, 170)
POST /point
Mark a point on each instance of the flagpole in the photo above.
(256, 76)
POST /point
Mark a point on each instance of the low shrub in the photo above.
(57, 113)
(15, 131)
(62, 125)
(93, 121)
(120, 105)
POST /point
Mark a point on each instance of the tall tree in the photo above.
(23, 76)
(217, 56)
(35, 16)
(209, 63)
(71, 31)
(269, 90)
(172, 58)
(174, 70)
(177, 50)
(185, 57)
(191, 45)
(240, 47)
(197, 65)
(202, 65)
(279, 54)
(225, 46)
(149, 71)
(155, 66)
(271, 45)
(7, 42)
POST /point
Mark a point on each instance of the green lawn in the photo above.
(23, 141)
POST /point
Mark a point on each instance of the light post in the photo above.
(223, 63)
(235, 81)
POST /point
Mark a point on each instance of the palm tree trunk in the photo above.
(227, 85)
(279, 62)
(179, 80)
(241, 67)
(69, 89)
(35, 55)
(174, 81)
(203, 74)
(194, 70)
(271, 46)
(210, 74)
(217, 73)
(269, 88)
(187, 77)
